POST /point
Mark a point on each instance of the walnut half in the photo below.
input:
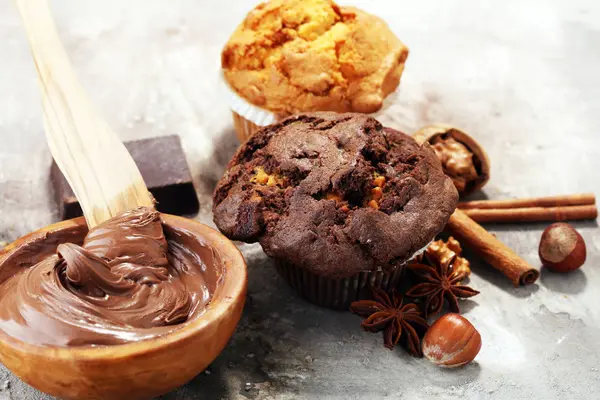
(462, 158)
(449, 252)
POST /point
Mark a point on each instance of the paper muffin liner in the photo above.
(339, 293)
(249, 118)
(244, 128)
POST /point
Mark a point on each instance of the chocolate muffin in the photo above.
(339, 201)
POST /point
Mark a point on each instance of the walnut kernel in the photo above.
(462, 158)
(449, 252)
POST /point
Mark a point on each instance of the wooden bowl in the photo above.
(136, 370)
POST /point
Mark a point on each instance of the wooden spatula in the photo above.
(101, 172)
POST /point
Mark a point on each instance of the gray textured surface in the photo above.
(521, 76)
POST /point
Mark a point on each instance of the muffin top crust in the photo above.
(336, 194)
(292, 56)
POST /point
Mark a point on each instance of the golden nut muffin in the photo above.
(293, 56)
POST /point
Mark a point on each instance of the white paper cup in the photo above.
(249, 118)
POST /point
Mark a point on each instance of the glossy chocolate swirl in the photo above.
(126, 283)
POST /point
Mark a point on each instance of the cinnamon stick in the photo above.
(553, 201)
(533, 214)
(492, 250)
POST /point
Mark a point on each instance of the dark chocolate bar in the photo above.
(164, 168)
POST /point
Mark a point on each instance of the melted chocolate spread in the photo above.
(127, 282)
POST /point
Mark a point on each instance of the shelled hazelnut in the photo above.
(462, 158)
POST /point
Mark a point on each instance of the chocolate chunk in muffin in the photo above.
(334, 193)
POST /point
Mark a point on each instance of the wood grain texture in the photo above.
(97, 166)
(137, 370)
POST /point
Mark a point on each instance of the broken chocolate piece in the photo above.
(163, 166)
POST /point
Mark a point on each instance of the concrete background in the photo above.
(520, 76)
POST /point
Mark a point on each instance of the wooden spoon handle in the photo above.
(98, 167)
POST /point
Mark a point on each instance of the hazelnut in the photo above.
(562, 248)
(462, 158)
(452, 341)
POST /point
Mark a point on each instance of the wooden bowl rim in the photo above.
(230, 292)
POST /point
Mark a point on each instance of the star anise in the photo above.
(441, 277)
(394, 319)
